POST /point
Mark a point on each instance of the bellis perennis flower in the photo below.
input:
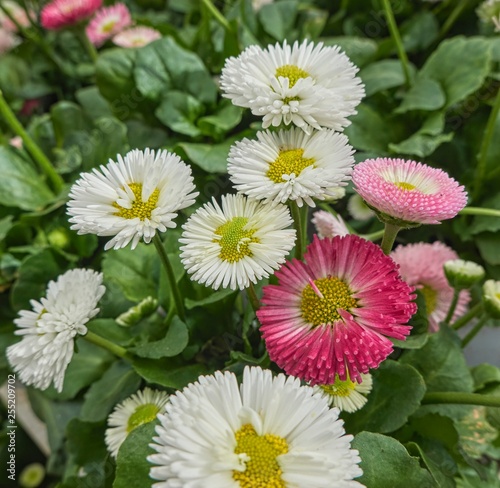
(269, 432)
(331, 316)
(133, 198)
(406, 193)
(136, 37)
(64, 13)
(291, 165)
(49, 330)
(108, 22)
(305, 84)
(328, 225)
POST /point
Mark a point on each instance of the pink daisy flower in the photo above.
(328, 225)
(136, 37)
(19, 14)
(421, 265)
(406, 192)
(108, 22)
(8, 41)
(63, 13)
(332, 314)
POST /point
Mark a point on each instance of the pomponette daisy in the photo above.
(421, 265)
(406, 193)
(241, 242)
(107, 22)
(304, 84)
(64, 13)
(133, 198)
(136, 36)
(142, 407)
(328, 225)
(269, 432)
(347, 395)
(332, 314)
(48, 331)
(291, 165)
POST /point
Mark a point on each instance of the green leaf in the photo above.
(172, 344)
(85, 441)
(5, 225)
(226, 118)
(425, 94)
(440, 478)
(476, 433)
(34, 274)
(484, 374)
(488, 244)
(114, 78)
(460, 65)
(67, 117)
(179, 111)
(481, 223)
(441, 362)
(382, 75)
(214, 297)
(386, 412)
(132, 466)
(278, 18)
(164, 65)
(167, 372)
(109, 329)
(420, 325)
(21, 186)
(386, 463)
(360, 50)
(420, 31)
(116, 384)
(93, 103)
(134, 271)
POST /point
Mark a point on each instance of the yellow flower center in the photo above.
(263, 469)
(108, 26)
(340, 387)
(142, 415)
(293, 73)
(321, 308)
(288, 162)
(140, 209)
(405, 186)
(234, 240)
(430, 298)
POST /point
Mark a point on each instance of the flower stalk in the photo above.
(474, 331)
(453, 305)
(390, 233)
(299, 227)
(216, 14)
(488, 212)
(460, 398)
(105, 344)
(465, 319)
(252, 296)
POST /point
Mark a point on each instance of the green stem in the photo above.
(85, 41)
(390, 233)
(451, 19)
(465, 319)
(37, 154)
(252, 296)
(299, 243)
(374, 236)
(396, 37)
(485, 145)
(179, 304)
(104, 343)
(453, 305)
(488, 212)
(461, 398)
(217, 15)
(473, 332)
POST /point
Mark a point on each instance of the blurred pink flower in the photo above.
(18, 13)
(136, 37)
(328, 225)
(7, 41)
(63, 13)
(421, 265)
(107, 22)
(16, 142)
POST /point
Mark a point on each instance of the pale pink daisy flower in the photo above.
(334, 313)
(63, 13)
(8, 41)
(421, 265)
(328, 225)
(18, 13)
(408, 193)
(136, 37)
(16, 142)
(107, 22)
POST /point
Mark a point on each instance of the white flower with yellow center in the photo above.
(491, 298)
(133, 198)
(305, 84)
(48, 331)
(347, 395)
(269, 432)
(291, 165)
(142, 407)
(241, 242)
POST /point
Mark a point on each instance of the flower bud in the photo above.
(462, 274)
(491, 298)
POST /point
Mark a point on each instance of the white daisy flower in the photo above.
(346, 394)
(140, 408)
(358, 209)
(304, 84)
(48, 331)
(133, 198)
(491, 298)
(269, 432)
(242, 242)
(291, 165)
(328, 225)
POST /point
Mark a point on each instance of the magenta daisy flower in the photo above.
(63, 13)
(108, 22)
(421, 265)
(406, 193)
(332, 314)
(136, 37)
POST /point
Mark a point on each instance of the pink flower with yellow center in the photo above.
(136, 37)
(421, 265)
(333, 314)
(107, 22)
(63, 13)
(328, 225)
(407, 193)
